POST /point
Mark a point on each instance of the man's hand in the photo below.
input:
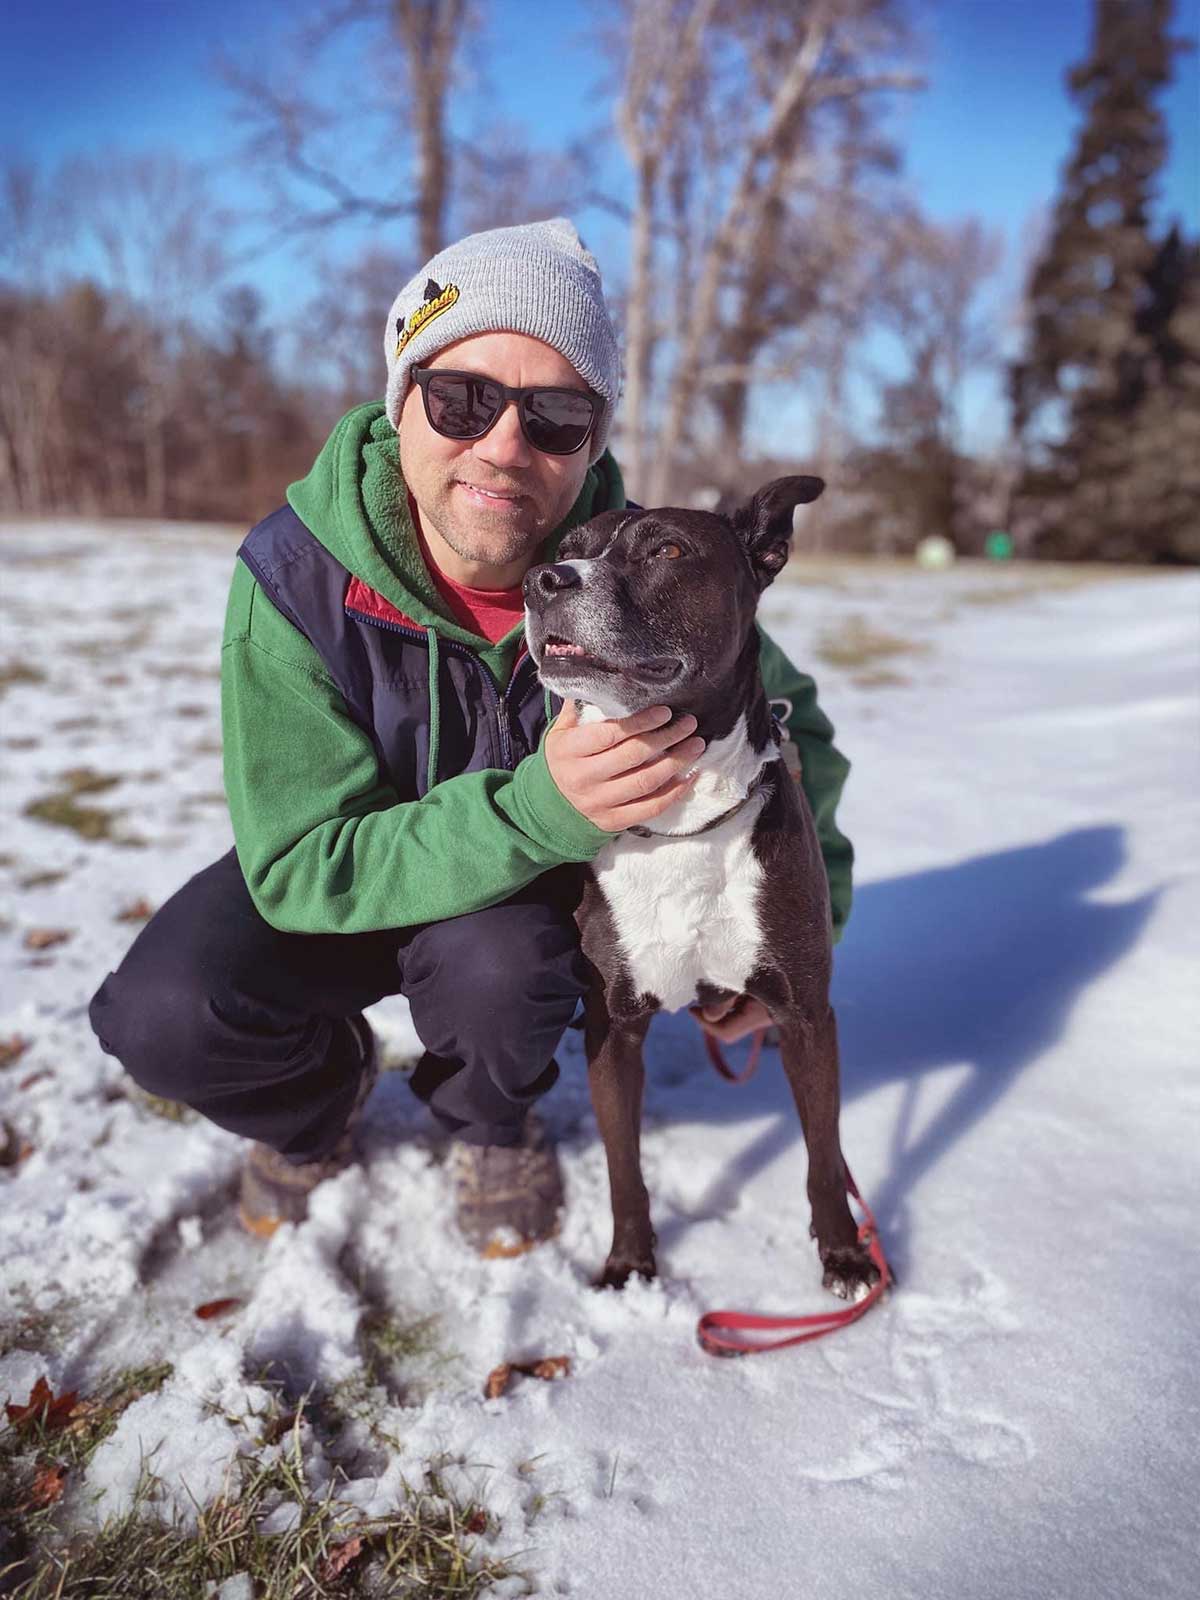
(623, 771)
(733, 1018)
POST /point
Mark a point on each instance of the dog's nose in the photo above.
(547, 581)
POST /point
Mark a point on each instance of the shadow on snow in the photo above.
(975, 966)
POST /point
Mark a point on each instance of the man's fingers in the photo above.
(568, 716)
(642, 749)
(647, 779)
(653, 805)
(593, 737)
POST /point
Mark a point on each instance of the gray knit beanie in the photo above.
(536, 279)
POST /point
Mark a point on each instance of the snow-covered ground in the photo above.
(1019, 1023)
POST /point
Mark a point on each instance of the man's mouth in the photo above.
(497, 497)
(556, 648)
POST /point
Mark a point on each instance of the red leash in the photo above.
(723, 1067)
(718, 1331)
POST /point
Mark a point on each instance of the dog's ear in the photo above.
(764, 524)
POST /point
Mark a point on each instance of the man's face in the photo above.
(494, 500)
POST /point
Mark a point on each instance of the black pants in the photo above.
(214, 1007)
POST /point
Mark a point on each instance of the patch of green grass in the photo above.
(880, 678)
(1002, 594)
(86, 780)
(157, 1106)
(123, 645)
(387, 1344)
(35, 1451)
(181, 669)
(16, 672)
(40, 880)
(27, 1327)
(401, 1355)
(62, 808)
(856, 643)
(425, 1547)
(64, 811)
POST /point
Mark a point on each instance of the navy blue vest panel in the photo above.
(381, 668)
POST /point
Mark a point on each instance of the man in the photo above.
(404, 822)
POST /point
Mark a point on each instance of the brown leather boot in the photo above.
(508, 1197)
(275, 1190)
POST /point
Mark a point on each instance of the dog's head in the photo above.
(650, 608)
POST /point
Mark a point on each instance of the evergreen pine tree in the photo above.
(1112, 364)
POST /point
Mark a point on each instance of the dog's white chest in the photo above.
(686, 909)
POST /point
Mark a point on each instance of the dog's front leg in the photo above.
(616, 1077)
(810, 1059)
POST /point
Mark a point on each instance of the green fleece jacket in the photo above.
(325, 842)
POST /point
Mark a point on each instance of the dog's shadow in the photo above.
(973, 967)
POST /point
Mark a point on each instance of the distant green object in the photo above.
(998, 546)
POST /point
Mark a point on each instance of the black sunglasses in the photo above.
(465, 405)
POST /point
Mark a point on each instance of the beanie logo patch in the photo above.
(436, 301)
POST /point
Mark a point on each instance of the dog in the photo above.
(724, 893)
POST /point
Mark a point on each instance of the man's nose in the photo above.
(544, 582)
(504, 445)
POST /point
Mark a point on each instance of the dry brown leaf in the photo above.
(10, 1144)
(12, 1049)
(341, 1558)
(44, 938)
(498, 1380)
(35, 1077)
(476, 1522)
(277, 1427)
(548, 1368)
(217, 1308)
(43, 1407)
(139, 910)
(84, 1414)
(47, 1488)
(551, 1367)
(13, 1147)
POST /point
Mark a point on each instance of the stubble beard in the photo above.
(495, 538)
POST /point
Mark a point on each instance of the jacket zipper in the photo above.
(453, 647)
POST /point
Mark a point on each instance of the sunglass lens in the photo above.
(462, 408)
(557, 420)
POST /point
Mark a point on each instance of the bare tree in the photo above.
(666, 65)
(312, 155)
(35, 226)
(158, 233)
(737, 117)
(932, 275)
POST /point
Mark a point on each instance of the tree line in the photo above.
(770, 237)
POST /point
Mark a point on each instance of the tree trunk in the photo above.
(428, 31)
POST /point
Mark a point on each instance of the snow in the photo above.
(1018, 1012)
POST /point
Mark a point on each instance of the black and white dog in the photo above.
(725, 893)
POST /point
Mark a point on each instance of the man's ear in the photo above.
(764, 524)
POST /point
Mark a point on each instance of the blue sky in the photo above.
(987, 138)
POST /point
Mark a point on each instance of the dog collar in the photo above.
(758, 784)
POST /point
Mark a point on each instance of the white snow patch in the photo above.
(1018, 1015)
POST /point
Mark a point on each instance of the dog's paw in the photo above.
(619, 1269)
(849, 1272)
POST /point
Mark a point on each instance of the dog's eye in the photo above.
(667, 552)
